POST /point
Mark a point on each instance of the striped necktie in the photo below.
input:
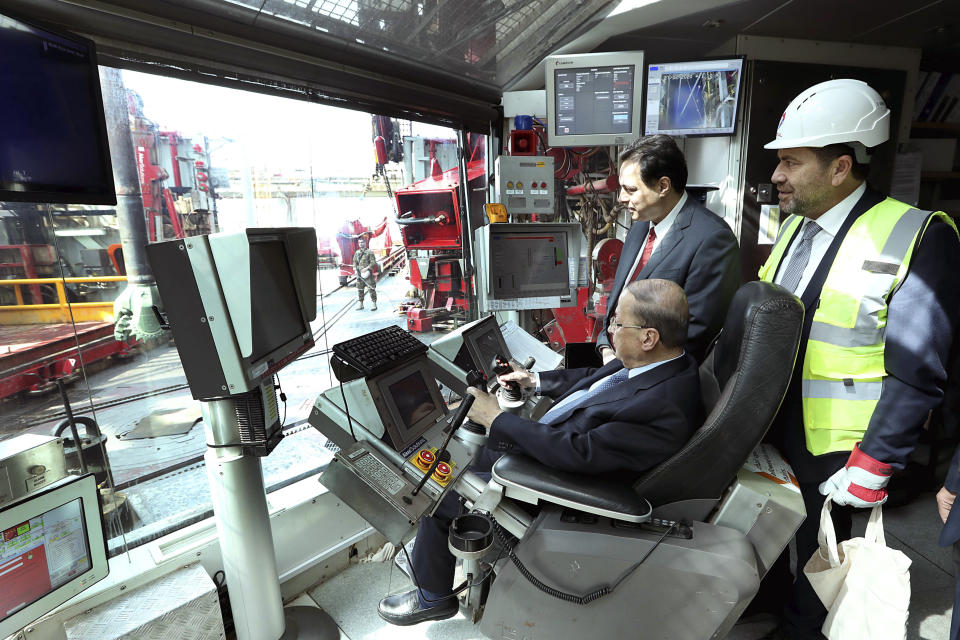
(565, 407)
(800, 258)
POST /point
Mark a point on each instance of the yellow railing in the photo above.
(21, 313)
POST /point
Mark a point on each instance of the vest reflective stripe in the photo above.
(843, 369)
(842, 390)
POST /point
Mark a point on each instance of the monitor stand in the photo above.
(246, 542)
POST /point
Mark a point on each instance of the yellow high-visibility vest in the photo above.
(843, 368)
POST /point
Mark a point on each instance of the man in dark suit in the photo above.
(876, 278)
(950, 535)
(617, 421)
(675, 238)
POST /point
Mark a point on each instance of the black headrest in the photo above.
(751, 300)
(752, 363)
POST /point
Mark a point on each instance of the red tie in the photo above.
(645, 256)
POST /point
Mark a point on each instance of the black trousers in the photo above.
(433, 564)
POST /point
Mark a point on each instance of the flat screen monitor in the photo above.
(483, 343)
(239, 304)
(52, 548)
(697, 98)
(408, 401)
(594, 99)
(51, 118)
(528, 266)
(275, 308)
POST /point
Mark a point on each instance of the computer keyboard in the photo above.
(378, 351)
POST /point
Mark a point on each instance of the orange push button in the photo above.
(424, 459)
(442, 473)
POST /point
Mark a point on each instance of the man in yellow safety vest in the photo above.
(874, 275)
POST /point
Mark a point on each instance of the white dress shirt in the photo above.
(830, 223)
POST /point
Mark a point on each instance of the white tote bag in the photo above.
(864, 584)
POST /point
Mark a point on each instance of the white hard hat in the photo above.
(837, 111)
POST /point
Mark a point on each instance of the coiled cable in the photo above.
(562, 595)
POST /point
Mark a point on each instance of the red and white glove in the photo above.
(860, 483)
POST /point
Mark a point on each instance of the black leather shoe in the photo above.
(403, 609)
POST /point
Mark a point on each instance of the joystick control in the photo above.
(511, 390)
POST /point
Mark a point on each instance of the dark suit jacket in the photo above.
(620, 432)
(700, 253)
(921, 321)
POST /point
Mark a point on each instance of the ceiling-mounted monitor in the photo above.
(594, 99)
(695, 98)
(51, 118)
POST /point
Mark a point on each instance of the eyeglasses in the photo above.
(616, 326)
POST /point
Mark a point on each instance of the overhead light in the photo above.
(712, 24)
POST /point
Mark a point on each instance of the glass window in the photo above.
(209, 160)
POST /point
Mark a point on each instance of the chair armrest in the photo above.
(526, 479)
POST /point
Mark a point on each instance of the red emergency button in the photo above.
(442, 472)
(424, 459)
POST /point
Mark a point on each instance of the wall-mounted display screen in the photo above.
(594, 99)
(697, 98)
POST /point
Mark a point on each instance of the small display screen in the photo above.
(412, 399)
(529, 265)
(276, 310)
(42, 554)
(51, 119)
(484, 345)
(594, 100)
(693, 98)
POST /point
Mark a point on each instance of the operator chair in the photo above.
(675, 570)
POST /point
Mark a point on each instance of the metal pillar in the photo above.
(246, 541)
(467, 228)
(130, 215)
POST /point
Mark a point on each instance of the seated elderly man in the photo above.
(618, 421)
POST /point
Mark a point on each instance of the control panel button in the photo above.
(424, 459)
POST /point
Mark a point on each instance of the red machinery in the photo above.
(583, 322)
(326, 257)
(178, 197)
(431, 220)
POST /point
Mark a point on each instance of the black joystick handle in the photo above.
(459, 418)
(511, 390)
(501, 366)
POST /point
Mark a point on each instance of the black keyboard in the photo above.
(378, 351)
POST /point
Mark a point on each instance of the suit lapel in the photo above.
(628, 387)
(684, 218)
(602, 372)
(645, 380)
